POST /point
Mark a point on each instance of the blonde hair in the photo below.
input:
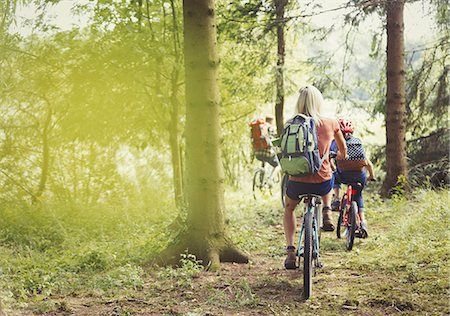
(310, 102)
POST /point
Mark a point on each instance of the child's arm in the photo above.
(370, 169)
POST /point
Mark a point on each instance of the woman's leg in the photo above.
(289, 220)
(327, 220)
(289, 232)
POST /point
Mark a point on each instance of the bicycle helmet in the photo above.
(346, 126)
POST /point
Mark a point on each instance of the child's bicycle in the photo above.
(309, 240)
(348, 216)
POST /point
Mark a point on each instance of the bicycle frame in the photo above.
(347, 198)
(310, 203)
(309, 241)
(348, 215)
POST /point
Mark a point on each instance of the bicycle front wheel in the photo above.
(351, 225)
(318, 220)
(308, 255)
(340, 222)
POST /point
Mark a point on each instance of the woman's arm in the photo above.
(342, 147)
(333, 165)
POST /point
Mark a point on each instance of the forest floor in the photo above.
(264, 287)
(382, 275)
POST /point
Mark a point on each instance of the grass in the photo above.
(66, 259)
(54, 250)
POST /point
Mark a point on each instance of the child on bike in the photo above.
(352, 170)
(310, 103)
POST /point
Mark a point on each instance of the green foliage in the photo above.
(55, 249)
(427, 89)
(104, 100)
(30, 228)
(83, 96)
(93, 261)
(415, 244)
(117, 280)
(102, 252)
(189, 268)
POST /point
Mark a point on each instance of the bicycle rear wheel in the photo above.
(351, 225)
(308, 255)
(261, 190)
(257, 182)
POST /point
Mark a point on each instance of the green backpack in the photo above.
(299, 147)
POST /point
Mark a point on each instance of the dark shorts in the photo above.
(349, 177)
(294, 189)
(273, 161)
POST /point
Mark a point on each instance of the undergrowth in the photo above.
(62, 250)
(414, 240)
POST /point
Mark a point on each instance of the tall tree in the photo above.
(174, 136)
(395, 111)
(205, 235)
(279, 102)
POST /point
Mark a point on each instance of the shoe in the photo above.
(290, 262)
(327, 223)
(335, 205)
(363, 230)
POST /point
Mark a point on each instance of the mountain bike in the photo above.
(262, 182)
(348, 215)
(309, 240)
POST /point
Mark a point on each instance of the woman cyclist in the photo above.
(310, 103)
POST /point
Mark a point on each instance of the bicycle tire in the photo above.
(284, 181)
(308, 255)
(257, 186)
(318, 219)
(340, 220)
(351, 229)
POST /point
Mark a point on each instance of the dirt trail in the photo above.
(262, 287)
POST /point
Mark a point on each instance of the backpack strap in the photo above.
(312, 124)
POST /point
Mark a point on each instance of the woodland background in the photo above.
(93, 142)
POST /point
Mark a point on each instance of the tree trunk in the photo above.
(175, 116)
(279, 104)
(205, 235)
(45, 156)
(175, 140)
(396, 165)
